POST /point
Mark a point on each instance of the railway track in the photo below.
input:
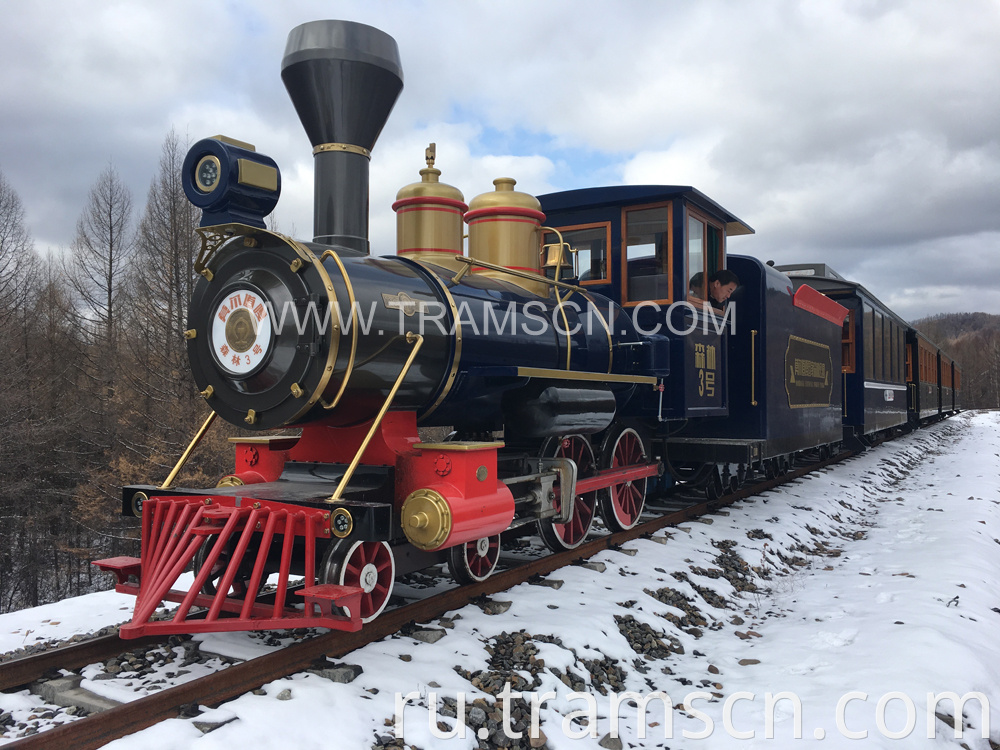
(98, 729)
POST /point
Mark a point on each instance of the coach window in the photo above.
(877, 344)
(647, 254)
(868, 334)
(847, 344)
(890, 353)
(904, 351)
(589, 246)
(897, 350)
(704, 253)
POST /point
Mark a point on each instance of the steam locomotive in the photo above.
(573, 352)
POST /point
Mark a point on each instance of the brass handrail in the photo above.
(512, 271)
(753, 367)
(412, 338)
(559, 300)
(187, 453)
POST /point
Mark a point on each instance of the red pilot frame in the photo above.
(228, 541)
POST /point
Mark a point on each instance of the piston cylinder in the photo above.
(453, 495)
(440, 516)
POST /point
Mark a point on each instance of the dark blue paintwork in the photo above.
(871, 405)
(768, 331)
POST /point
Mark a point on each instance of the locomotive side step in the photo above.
(322, 601)
(123, 569)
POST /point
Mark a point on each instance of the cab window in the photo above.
(647, 254)
(704, 253)
(589, 251)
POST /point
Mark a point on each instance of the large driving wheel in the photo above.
(367, 565)
(621, 504)
(563, 536)
(474, 561)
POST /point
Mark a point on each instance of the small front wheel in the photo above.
(368, 565)
(473, 562)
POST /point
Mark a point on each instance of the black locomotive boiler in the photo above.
(572, 348)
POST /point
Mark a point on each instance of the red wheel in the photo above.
(368, 565)
(563, 536)
(621, 504)
(473, 562)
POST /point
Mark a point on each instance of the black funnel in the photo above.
(343, 79)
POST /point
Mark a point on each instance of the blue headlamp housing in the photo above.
(230, 182)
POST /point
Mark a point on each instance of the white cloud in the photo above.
(838, 130)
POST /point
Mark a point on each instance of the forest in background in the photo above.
(98, 392)
(972, 340)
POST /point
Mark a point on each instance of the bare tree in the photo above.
(18, 262)
(38, 424)
(97, 273)
(101, 251)
(161, 283)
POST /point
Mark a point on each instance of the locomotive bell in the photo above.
(504, 229)
(429, 218)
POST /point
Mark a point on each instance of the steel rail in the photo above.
(99, 729)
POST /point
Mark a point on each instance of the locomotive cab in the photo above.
(651, 249)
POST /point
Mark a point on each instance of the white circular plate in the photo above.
(241, 331)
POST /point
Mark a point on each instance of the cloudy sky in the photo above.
(861, 133)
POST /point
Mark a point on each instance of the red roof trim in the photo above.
(812, 301)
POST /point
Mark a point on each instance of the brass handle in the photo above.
(187, 453)
(753, 367)
(417, 341)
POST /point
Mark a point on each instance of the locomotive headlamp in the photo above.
(341, 522)
(206, 174)
(230, 182)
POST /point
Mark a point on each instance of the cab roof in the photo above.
(617, 195)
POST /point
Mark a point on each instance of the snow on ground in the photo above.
(826, 610)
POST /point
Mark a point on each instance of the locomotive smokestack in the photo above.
(343, 79)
